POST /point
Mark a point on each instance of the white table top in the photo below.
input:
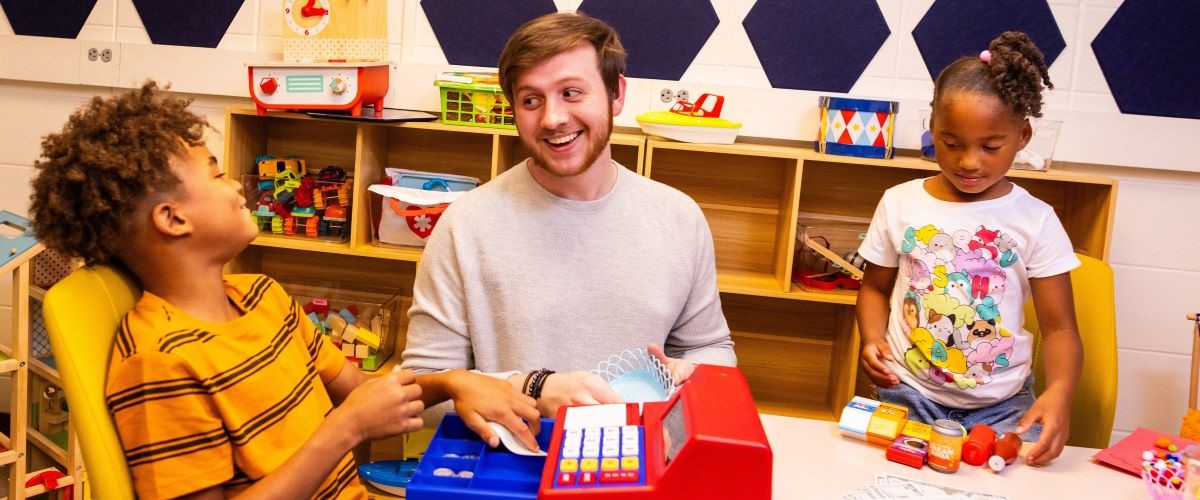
(814, 460)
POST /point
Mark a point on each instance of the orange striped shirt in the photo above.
(199, 404)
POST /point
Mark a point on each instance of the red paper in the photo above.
(1126, 455)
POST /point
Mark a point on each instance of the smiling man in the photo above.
(566, 258)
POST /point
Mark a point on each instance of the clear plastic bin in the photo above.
(370, 320)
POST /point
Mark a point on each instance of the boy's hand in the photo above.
(680, 369)
(479, 399)
(384, 406)
(1053, 410)
(873, 356)
(574, 388)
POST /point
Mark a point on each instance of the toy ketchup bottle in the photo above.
(1006, 449)
(978, 448)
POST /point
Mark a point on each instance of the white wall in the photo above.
(1157, 268)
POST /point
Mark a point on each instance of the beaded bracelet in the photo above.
(539, 379)
(525, 385)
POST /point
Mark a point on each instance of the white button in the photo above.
(570, 452)
(611, 439)
(611, 451)
(591, 440)
(573, 434)
(591, 431)
(591, 451)
(630, 439)
(630, 449)
(612, 430)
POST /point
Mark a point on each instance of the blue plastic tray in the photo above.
(498, 473)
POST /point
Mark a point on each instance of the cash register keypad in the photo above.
(601, 456)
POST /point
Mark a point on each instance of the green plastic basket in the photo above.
(476, 105)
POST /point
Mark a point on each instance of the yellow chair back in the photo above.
(82, 314)
(1095, 401)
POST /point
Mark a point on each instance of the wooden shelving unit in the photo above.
(20, 365)
(798, 348)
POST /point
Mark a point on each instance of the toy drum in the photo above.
(945, 446)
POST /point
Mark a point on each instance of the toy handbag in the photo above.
(409, 215)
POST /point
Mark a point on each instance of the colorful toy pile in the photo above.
(943, 445)
(363, 321)
(1163, 470)
(293, 203)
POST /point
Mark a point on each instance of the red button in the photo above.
(566, 479)
(623, 476)
(587, 478)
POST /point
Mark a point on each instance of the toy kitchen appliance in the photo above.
(324, 86)
(706, 441)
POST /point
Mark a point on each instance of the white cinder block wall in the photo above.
(1154, 241)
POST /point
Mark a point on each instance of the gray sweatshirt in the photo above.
(514, 278)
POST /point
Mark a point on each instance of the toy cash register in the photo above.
(706, 441)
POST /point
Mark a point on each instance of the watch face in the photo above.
(306, 17)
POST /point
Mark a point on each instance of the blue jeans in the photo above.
(1003, 416)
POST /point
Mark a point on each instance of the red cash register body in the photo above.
(725, 453)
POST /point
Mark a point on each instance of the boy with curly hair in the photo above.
(217, 384)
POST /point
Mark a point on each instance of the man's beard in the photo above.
(599, 141)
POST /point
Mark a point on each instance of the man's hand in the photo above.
(574, 388)
(383, 406)
(680, 369)
(872, 357)
(1053, 410)
(479, 399)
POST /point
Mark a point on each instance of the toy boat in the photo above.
(690, 122)
(391, 476)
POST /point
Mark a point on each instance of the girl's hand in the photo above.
(1053, 410)
(873, 356)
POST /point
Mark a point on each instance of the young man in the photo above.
(564, 259)
(217, 384)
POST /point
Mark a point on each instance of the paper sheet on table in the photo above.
(890, 486)
(1126, 454)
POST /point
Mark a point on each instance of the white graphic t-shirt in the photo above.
(955, 327)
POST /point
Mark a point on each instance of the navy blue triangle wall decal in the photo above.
(54, 18)
(661, 37)
(187, 22)
(1150, 55)
(815, 44)
(956, 28)
(473, 32)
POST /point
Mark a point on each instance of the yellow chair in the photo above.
(1095, 401)
(82, 313)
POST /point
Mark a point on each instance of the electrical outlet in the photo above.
(682, 95)
(666, 95)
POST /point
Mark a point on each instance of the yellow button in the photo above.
(629, 463)
(609, 464)
(568, 465)
(588, 465)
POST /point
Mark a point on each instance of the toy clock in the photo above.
(334, 30)
(306, 17)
